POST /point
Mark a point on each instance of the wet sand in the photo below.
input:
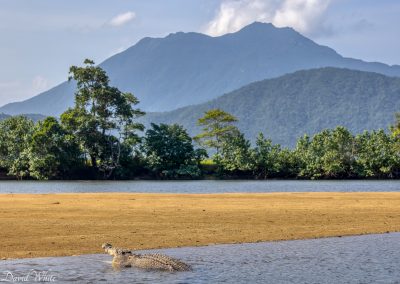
(34, 225)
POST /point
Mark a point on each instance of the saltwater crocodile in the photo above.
(126, 258)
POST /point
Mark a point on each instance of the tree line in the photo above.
(100, 138)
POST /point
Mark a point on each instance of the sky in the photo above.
(41, 39)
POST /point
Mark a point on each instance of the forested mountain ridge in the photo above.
(190, 68)
(304, 102)
(34, 117)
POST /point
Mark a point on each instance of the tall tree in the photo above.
(216, 124)
(103, 117)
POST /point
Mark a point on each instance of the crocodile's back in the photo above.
(158, 261)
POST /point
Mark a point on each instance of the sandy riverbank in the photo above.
(68, 224)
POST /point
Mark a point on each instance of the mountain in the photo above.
(304, 102)
(4, 116)
(189, 68)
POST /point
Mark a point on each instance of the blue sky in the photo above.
(40, 39)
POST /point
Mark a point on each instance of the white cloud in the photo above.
(303, 15)
(122, 19)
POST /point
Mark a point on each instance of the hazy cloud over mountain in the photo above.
(305, 16)
(40, 84)
(122, 19)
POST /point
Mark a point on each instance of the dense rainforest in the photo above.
(101, 137)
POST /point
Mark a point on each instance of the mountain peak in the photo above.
(263, 27)
(258, 25)
(185, 35)
(189, 68)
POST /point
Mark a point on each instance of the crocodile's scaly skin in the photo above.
(126, 258)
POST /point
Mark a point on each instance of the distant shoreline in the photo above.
(38, 225)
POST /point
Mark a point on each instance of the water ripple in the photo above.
(359, 259)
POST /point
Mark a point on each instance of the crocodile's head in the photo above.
(106, 246)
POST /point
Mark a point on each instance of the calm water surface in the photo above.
(196, 186)
(360, 259)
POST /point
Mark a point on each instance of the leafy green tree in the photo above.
(235, 152)
(376, 155)
(103, 117)
(288, 164)
(304, 156)
(266, 158)
(216, 124)
(169, 151)
(338, 160)
(15, 138)
(330, 154)
(132, 162)
(395, 129)
(53, 152)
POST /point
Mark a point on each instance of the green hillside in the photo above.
(308, 101)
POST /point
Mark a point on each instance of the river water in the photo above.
(358, 259)
(201, 186)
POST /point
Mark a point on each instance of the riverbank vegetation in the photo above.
(101, 138)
